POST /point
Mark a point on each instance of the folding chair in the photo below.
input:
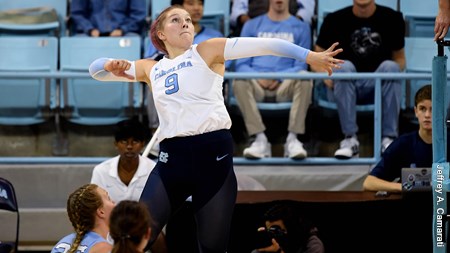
(8, 202)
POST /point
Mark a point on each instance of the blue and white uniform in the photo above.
(89, 240)
(196, 149)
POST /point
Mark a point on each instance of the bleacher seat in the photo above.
(90, 102)
(320, 99)
(419, 17)
(216, 13)
(158, 6)
(420, 52)
(327, 6)
(52, 28)
(27, 101)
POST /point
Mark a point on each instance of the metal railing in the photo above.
(234, 75)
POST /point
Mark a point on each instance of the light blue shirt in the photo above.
(291, 29)
(89, 240)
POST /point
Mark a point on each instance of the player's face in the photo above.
(424, 114)
(178, 29)
(105, 210)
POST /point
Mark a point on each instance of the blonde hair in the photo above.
(82, 206)
(158, 25)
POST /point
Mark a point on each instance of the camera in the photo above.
(264, 237)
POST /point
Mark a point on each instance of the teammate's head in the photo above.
(82, 207)
(129, 227)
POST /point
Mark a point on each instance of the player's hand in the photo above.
(441, 24)
(118, 68)
(325, 61)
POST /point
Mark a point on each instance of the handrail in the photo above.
(240, 75)
(236, 75)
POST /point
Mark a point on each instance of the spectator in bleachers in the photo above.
(442, 22)
(124, 176)
(89, 208)
(414, 149)
(243, 10)
(113, 18)
(130, 227)
(276, 23)
(373, 39)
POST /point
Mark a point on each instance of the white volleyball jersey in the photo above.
(188, 96)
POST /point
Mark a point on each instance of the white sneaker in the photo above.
(293, 148)
(258, 149)
(349, 147)
(385, 142)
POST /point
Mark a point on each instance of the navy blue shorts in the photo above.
(200, 166)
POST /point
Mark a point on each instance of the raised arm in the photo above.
(221, 49)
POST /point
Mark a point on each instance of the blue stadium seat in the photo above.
(158, 6)
(420, 52)
(90, 102)
(52, 28)
(327, 6)
(216, 15)
(419, 17)
(26, 101)
(320, 99)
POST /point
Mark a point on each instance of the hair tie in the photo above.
(125, 236)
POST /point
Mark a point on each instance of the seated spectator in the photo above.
(413, 149)
(114, 18)
(130, 227)
(243, 10)
(276, 23)
(289, 232)
(89, 208)
(373, 39)
(124, 176)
